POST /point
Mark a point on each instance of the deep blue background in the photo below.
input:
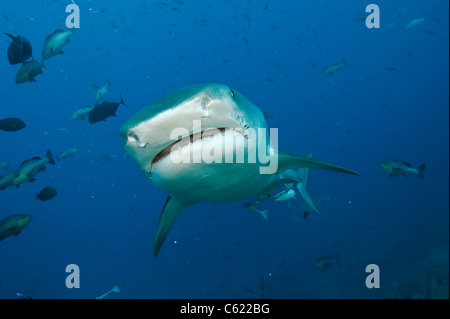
(106, 213)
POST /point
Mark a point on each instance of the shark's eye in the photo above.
(232, 93)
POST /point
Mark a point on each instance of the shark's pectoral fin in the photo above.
(288, 161)
(172, 209)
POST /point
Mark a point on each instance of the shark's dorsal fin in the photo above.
(172, 209)
(288, 161)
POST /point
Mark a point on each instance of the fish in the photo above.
(102, 91)
(80, 113)
(306, 214)
(102, 111)
(12, 124)
(115, 288)
(46, 194)
(251, 207)
(324, 262)
(29, 168)
(362, 16)
(54, 43)
(13, 225)
(284, 195)
(414, 23)
(7, 179)
(333, 68)
(19, 50)
(172, 126)
(4, 165)
(395, 167)
(28, 71)
(389, 26)
(67, 153)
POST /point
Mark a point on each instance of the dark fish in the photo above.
(19, 49)
(396, 168)
(306, 214)
(389, 68)
(13, 225)
(11, 124)
(250, 291)
(102, 111)
(28, 71)
(46, 194)
(324, 262)
(29, 168)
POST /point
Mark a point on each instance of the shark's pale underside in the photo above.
(228, 123)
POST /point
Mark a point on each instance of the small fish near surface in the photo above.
(104, 110)
(46, 194)
(12, 124)
(28, 71)
(13, 225)
(54, 43)
(68, 153)
(333, 68)
(325, 262)
(29, 168)
(80, 113)
(395, 168)
(19, 49)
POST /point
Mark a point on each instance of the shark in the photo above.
(198, 144)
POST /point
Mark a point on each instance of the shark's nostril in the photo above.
(132, 137)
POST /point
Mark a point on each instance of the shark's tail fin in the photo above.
(421, 171)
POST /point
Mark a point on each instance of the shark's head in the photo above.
(149, 135)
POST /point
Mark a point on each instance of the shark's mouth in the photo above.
(188, 139)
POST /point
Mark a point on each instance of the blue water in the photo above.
(106, 212)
